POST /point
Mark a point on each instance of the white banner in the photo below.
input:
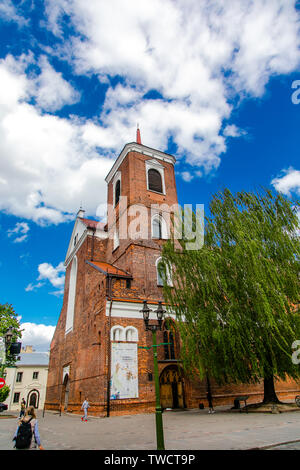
(124, 371)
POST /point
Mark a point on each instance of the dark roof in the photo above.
(93, 223)
(107, 268)
(34, 359)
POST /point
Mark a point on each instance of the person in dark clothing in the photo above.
(23, 408)
(210, 403)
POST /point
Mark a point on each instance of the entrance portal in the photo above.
(65, 391)
(171, 388)
(33, 398)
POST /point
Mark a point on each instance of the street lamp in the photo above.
(154, 327)
(8, 337)
(11, 349)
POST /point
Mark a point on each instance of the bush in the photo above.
(4, 392)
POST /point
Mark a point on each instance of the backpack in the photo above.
(24, 435)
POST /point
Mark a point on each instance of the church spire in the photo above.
(138, 136)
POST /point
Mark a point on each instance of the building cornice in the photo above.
(144, 150)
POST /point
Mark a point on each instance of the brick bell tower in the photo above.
(141, 198)
(98, 348)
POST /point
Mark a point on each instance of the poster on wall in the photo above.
(124, 371)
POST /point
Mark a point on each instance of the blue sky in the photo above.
(210, 82)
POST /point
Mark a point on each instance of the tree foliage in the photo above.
(4, 392)
(237, 298)
(8, 318)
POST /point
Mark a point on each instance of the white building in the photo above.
(28, 380)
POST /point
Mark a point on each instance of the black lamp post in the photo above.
(8, 337)
(14, 348)
(11, 349)
(154, 327)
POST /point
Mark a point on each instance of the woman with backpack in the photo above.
(27, 434)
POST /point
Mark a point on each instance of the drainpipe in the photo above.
(109, 280)
(93, 244)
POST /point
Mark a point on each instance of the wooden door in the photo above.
(166, 396)
(180, 395)
(33, 400)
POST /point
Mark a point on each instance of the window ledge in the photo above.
(156, 192)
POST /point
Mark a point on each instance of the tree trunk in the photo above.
(269, 391)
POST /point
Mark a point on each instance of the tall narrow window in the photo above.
(169, 346)
(159, 227)
(155, 181)
(19, 377)
(163, 273)
(116, 239)
(16, 397)
(156, 227)
(72, 295)
(117, 192)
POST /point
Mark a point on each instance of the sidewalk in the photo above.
(183, 430)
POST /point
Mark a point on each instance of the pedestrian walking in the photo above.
(27, 433)
(210, 403)
(85, 406)
(23, 408)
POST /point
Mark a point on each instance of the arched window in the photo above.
(117, 333)
(169, 340)
(116, 188)
(117, 192)
(161, 272)
(156, 227)
(159, 227)
(71, 296)
(131, 333)
(155, 180)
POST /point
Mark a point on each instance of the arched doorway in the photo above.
(172, 388)
(33, 398)
(66, 389)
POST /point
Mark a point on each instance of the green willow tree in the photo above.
(237, 298)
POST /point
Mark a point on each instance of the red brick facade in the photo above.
(106, 297)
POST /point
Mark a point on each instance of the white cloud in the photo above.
(288, 182)
(9, 12)
(22, 229)
(231, 130)
(52, 274)
(55, 275)
(186, 176)
(197, 55)
(48, 160)
(52, 91)
(37, 335)
(200, 57)
(32, 287)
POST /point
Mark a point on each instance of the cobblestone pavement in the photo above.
(183, 430)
